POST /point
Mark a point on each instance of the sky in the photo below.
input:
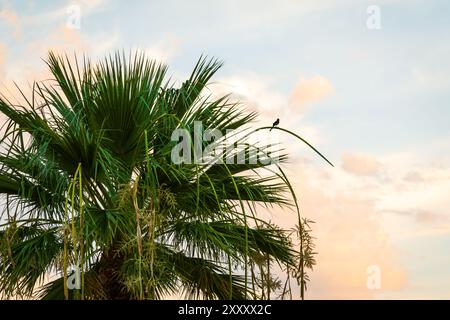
(366, 82)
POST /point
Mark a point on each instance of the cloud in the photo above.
(90, 6)
(256, 93)
(27, 66)
(414, 187)
(86, 8)
(366, 214)
(164, 50)
(360, 164)
(11, 18)
(413, 176)
(61, 40)
(311, 90)
(421, 216)
(66, 40)
(2, 57)
(350, 235)
(57, 16)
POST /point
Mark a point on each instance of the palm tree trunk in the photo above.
(108, 269)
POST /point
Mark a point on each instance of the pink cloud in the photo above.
(360, 164)
(2, 57)
(311, 90)
(350, 236)
(423, 216)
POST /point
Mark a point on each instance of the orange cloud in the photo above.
(360, 164)
(310, 90)
(367, 215)
(350, 237)
(30, 67)
(62, 40)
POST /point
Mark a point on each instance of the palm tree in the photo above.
(89, 185)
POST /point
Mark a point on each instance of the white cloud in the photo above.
(254, 91)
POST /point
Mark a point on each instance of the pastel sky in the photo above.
(375, 101)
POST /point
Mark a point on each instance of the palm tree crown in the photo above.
(88, 182)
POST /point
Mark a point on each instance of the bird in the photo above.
(277, 122)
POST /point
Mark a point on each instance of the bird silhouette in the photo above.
(277, 122)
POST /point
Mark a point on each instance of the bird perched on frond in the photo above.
(277, 122)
